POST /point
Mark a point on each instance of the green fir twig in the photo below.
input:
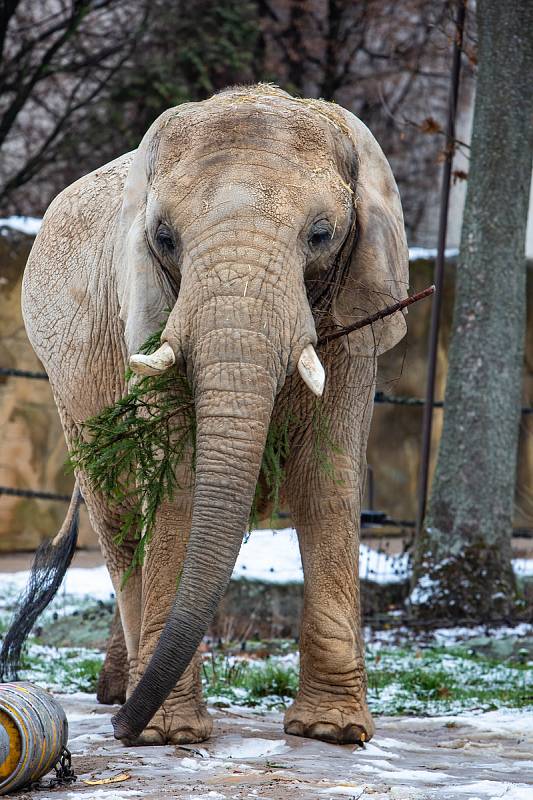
(131, 452)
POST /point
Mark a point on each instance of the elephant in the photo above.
(247, 226)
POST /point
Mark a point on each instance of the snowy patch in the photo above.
(513, 721)
(462, 634)
(420, 253)
(496, 789)
(61, 669)
(93, 582)
(274, 557)
(188, 764)
(389, 773)
(423, 591)
(113, 794)
(523, 567)
(398, 744)
(269, 556)
(372, 749)
(236, 747)
(212, 795)
(29, 225)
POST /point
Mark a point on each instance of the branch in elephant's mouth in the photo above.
(385, 312)
(135, 452)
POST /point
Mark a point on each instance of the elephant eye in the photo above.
(320, 233)
(164, 238)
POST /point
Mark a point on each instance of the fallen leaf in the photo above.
(113, 779)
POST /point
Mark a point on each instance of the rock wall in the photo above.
(32, 449)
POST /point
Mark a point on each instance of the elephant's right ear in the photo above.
(377, 270)
(144, 296)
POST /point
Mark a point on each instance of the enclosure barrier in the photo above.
(369, 518)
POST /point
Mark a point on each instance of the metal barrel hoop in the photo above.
(33, 734)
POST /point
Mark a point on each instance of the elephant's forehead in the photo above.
(224, 133)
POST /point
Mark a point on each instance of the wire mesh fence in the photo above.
(385, 553)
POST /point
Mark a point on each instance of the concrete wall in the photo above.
(32, 448)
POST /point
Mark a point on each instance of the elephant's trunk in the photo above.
(234, 401)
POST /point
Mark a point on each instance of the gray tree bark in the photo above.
(462, 563)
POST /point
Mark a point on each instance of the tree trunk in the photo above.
(462, 564)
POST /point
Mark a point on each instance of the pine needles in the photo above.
(131, 452)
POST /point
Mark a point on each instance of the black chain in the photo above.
(65, 774)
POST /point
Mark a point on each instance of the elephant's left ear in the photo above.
(377, 272)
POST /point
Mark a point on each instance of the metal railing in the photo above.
(370, 519)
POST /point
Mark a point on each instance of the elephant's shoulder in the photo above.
(90, 202)
(74, 246)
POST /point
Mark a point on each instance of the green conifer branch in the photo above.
(131, 451)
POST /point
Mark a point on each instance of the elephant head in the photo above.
(245, 214)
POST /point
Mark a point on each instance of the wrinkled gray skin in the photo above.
(261, 221)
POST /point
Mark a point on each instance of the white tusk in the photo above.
(311, 370)
(153, 364)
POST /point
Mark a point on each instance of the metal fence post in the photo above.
(439, 266)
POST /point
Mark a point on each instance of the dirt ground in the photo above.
(249, 756)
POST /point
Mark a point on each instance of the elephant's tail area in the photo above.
(49, 566)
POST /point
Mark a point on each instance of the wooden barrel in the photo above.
(33, 732)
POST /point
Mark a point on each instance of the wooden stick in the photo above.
(385, 312)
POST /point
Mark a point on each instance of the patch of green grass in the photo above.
(62, 669)
(250, 683)
(273, 679)
(400, 681)
(444, 680)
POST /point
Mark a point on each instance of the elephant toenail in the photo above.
(294, 728)
(354, 734)
(325, 732)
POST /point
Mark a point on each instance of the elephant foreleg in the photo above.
(331, 701)
(107, 522)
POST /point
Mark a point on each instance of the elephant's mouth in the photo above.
(309, 365)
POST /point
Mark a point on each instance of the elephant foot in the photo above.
(186, 726)
(336, 725)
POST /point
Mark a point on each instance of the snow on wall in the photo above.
(29, 225)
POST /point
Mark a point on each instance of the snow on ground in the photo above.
(459, 633)
(523, 566)
(506, 720)
(474, 756)
(251, 747)
(268, 555)
(271, 556)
